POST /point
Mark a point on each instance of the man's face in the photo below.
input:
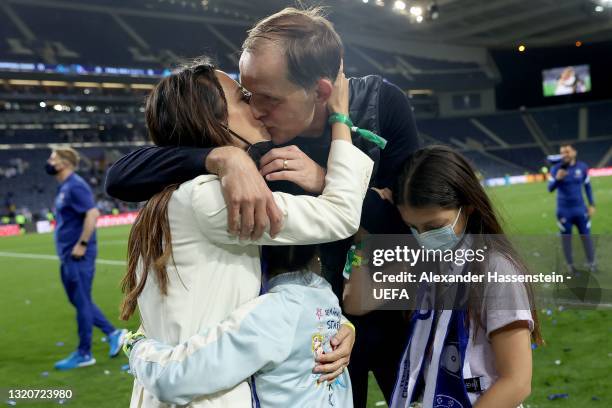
(568, 154)
(286, 109)
(56, 161)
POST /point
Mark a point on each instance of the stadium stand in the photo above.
(599, 119)
(558, 123)
(509, 127)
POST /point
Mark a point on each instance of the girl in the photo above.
(276, 337)
(185, 271)
(480, 354)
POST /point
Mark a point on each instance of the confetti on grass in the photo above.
(553, 397)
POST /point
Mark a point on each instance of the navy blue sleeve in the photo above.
(141, 174)
(380, 216)
(81, 198)
(397, 125)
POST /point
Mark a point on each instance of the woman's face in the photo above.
(239, 117)
(430, 218)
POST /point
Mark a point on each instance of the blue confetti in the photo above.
(44, 374)
(534, 346)
(125, 367)
(548, 312)
(59, 344)
(11, 403)
(553, 397)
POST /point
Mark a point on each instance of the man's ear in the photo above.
(324, 90)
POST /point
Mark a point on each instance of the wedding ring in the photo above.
(285, 164)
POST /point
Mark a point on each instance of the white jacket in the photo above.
(216, 273)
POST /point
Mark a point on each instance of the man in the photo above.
(568, 178)
(288, 65)
(75, 242)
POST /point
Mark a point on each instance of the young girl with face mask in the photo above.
(477, 355)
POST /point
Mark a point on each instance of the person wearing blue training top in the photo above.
(75, 242)
(568, 178)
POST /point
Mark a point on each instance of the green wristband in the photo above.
(340, 118)
(366, 134)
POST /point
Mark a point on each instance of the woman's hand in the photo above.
(339, 100)
(331, 365)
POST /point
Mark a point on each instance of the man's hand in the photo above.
(251, 206)
(561, 173)
(291, 164)
(333, 364)
(591, 210)
(385, 194)
(78, 251)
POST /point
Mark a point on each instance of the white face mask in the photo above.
(440, 238)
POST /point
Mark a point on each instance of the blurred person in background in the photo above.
(569, 177)
(76, 246)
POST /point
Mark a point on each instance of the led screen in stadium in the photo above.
(566, 80)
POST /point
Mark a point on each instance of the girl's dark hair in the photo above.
(290, 258)
(439, 176)
(187, 108)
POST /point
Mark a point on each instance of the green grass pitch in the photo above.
(37, 324)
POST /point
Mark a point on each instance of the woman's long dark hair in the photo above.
(187, 108)
(439, 176)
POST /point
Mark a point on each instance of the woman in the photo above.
(185, 271)
(479, 353)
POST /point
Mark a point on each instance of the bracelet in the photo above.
(366, 134)
(348, 264)
(130, 341)
(340, 118)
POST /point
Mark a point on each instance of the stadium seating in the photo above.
(156, 41)
(80, 29)
(558, 123)
(30, 187)
(600, 115)
(509, 127)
